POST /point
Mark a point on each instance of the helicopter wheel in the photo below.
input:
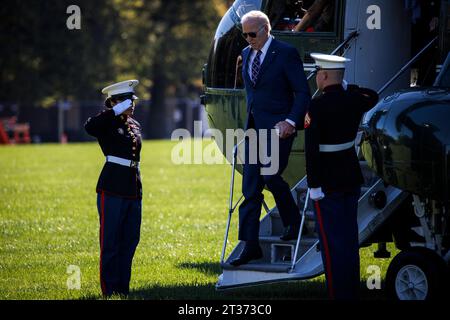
(417, 274)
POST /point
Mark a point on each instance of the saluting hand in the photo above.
(285, 129)
(121, 107)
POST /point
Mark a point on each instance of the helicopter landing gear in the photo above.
(417, 273)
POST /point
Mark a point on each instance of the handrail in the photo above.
(230, 202)
(238, 59)
(299, 237)
(390, 81)
(406, 66)
(350, 37)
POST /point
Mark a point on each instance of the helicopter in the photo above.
(404, 141)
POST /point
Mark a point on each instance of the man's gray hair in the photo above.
(257, 15)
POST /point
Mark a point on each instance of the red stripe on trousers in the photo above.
(102, 227)
(327, 251)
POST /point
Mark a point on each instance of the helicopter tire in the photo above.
(417, 273)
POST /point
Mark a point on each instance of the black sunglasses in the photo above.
(252, 34)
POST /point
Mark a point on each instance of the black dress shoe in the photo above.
(248, 254)
(290, 232)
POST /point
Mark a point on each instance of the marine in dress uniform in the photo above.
(119, 188)
(333, 172)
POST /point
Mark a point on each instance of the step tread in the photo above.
(305, 240)
(301, 189)
(261, 267)
(309, 214)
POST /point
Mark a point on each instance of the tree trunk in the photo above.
(158, 122)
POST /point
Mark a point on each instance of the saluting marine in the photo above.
(119, 188)
(333, 172)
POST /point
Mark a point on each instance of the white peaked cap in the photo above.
(328, 61)
(120, 88)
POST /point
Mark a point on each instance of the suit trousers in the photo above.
(252, 186)
(337, 226)
(120, 223)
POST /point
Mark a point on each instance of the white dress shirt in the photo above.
(261, 57)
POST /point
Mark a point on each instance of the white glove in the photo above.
(316, 194)
(121, 107)
(344, 84)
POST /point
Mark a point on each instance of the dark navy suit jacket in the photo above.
(281, 90)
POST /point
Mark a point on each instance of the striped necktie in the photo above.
(256, 64)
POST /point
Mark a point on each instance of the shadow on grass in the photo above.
(289, 290)
(292, 290)
(313, 289)
(208, 268)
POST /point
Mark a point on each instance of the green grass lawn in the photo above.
(49, 220)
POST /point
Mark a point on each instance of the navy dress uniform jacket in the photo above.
(281, 91)
(333, 118)
(115, 139)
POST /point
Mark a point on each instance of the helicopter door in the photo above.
(383, 45)
(308, 25)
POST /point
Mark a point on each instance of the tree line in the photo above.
(163, 43)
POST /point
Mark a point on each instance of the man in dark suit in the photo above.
(277, 97)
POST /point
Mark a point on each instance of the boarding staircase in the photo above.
(285, 260)
(301, 259)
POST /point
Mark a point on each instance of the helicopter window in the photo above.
(302, 16)
(233, 16)
(225, 62)
(241, 7)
